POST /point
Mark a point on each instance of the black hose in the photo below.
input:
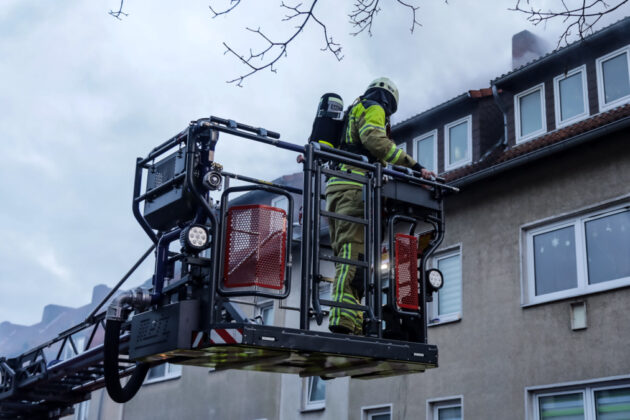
(115, 389)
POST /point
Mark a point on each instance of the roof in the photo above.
(500, 158)
(560, 51)
(471, 94)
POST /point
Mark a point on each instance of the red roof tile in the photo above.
(503, 155)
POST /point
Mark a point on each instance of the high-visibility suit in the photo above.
(365, 134)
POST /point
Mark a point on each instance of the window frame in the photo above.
(434, 404)
(586, 388)
(367, 412)
(578, 220)
(433, 307)
(82, 410)
(307, 404)
(424, 136)
(517, 113)
(265, 304)
(468, 158)
(168, 375)
(601, 94)
(280, 199)
(558, 106)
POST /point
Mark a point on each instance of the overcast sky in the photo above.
(83, 94)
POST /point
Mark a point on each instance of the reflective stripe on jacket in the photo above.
(366, 134)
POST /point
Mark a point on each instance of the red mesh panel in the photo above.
(256, 247)
(407, 271)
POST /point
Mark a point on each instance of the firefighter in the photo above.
(366, 134)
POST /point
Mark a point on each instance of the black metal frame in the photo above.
(32, 386)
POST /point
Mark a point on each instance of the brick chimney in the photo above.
(527, 47)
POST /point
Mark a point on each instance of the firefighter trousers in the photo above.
(347, 240)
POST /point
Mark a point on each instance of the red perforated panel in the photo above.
(407, 271)
(255, 247)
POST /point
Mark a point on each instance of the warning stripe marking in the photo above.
(226, 336)
(198, 336)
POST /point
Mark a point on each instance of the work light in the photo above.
(195, 237)
(435, 279)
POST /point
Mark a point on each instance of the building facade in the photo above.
(532, 322)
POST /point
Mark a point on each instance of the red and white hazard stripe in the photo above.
(198, 338)
(226, 336)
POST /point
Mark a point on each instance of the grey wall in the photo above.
(499, 348)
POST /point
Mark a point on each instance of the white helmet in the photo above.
(388, 85)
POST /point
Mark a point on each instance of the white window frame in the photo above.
(261, 306)
(434, 404)
(558, 107)
(468, 158)
(601, 94)
(307, 404)
(368, 412)
(433, 307)
(170, 372)
(280, 199)
(82, 410)
(517, 114)
(578, 221)
(587, 388)
(424, 136)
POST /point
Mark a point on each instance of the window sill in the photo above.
(162, 379)
(314, 408)
(448, 319)
(573, 296)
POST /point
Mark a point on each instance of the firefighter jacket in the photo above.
(366, 134)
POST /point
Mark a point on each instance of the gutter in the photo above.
(545, 151)
(410, 121)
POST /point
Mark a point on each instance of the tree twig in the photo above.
(581, 18)
(119, 12)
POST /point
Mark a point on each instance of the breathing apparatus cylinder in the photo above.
(328, 123)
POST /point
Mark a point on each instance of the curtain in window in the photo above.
(450, 295)
(562, 407)
(450, 413)
(613, 404)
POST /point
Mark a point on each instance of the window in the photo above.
(599, 401)
(613, 79)
(425, 150)
(383, 412)
(529, 107)
(571, 97)
(81, 410)
(458, 143)
(265, 311)
(445, 409)
(447, 302)
(314, 393)
(68, 350)
(280, 202)
(163, 372)
(325, 292)
(579, 255)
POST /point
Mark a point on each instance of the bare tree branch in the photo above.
(361, 19)
(233, 4)
(581, 18)
(119, 11)
(278, 49)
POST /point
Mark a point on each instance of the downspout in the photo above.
(501, 105)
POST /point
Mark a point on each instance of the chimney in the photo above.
(527, 47)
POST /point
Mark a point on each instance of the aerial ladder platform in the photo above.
(229, 254)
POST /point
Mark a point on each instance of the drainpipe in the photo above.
(501, 105)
